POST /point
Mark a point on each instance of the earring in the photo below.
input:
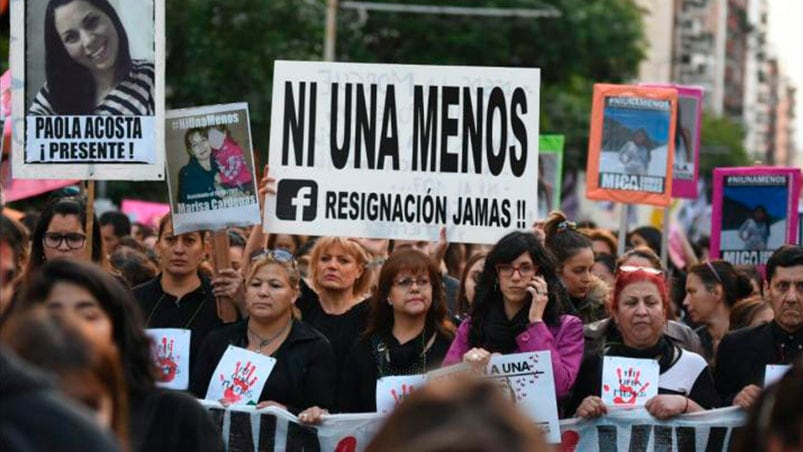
(390, 302)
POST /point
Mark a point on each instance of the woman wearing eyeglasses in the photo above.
(639, 308)
(519, 307)
(304, 375)
(712, 288)
(61, 233)
(407, 333)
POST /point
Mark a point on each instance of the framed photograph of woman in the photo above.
(210, 168)
(754, 213)
(88, 89)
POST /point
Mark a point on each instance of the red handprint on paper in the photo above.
(406, 391)
(166, 362)
(240, 382)
(629, 389)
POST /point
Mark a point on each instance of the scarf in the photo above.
(663, 352)
(499, 333)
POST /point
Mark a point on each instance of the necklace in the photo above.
(265, 341)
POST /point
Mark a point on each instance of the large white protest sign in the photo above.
(246, 429)
(67, 123)
(629, 381)
(392, 391)
(171, 354)
(210, 168)
(240, 376)
(398, 151)
(527, 379)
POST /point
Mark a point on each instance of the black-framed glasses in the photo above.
(507, 270)
(73, 240)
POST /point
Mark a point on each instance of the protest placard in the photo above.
(754, 212)
(631, 144)
(80, 115)
(527, 379)
(550, 173)
(240, 376)
(144, 212)
(774, 372)
(688, 125)
(210, 168)
(171, 355)
(392, 391)
(398, 151)
(629, 381)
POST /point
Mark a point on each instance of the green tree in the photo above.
(721, 144)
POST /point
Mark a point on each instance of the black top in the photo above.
(375, 357)
(196, 311)
(35, 417)
(681, 373)
(304, 374)
(707, 341)
(342, 330)
(164, 420)
(743, 355)
(194, 182)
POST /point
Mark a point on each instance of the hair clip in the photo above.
(563, 226)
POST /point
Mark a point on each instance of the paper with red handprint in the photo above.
(170, 352)
(629, 381)
(240, 376)
(392, 391)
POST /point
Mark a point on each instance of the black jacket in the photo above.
(35, 417)
(304, 374)
(743, 355)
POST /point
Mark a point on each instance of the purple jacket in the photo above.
(565, 342)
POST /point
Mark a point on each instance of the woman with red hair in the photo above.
(639, 308)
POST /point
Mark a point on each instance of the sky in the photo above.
(786, 35)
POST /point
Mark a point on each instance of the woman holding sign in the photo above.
(639, 308)
(407, 334)
(88, 64)
(304, 374)
(161, 420)
(518, 307)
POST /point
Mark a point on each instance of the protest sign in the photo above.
(144, 212)
(399, 151)
(629, 381)
(392, 391)
(688, 125)
(754, 212)
(550, 173)
(774, 372)
(246, 429)
(171, 353)
(210, 168)
(527, 379)
(68, 123)
(631, 144)
(240, 376)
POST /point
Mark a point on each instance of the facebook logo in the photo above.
(296, 200)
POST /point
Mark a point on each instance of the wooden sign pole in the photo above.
(90, 218)
(226, 310)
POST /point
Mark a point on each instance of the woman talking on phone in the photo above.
(518, 307)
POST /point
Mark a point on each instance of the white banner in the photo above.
(246, 429)
(398, 151)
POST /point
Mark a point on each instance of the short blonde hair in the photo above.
(293, 277)
(354, 249)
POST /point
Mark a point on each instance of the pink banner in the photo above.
(144, 211)
(754, 213)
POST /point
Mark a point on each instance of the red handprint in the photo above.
(405, 392)
(166, 362)
(629, 389)
(240, 382)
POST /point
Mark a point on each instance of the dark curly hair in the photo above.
(487, 292)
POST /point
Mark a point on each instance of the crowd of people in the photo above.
(339, 313)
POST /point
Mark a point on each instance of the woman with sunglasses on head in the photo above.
(639, 308)
(519, 307)
(304, 375)
(574, 254)
(160, 419)
(407, 333)
(61, 233)
(712, 289)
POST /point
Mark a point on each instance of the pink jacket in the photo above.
(565, 341)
